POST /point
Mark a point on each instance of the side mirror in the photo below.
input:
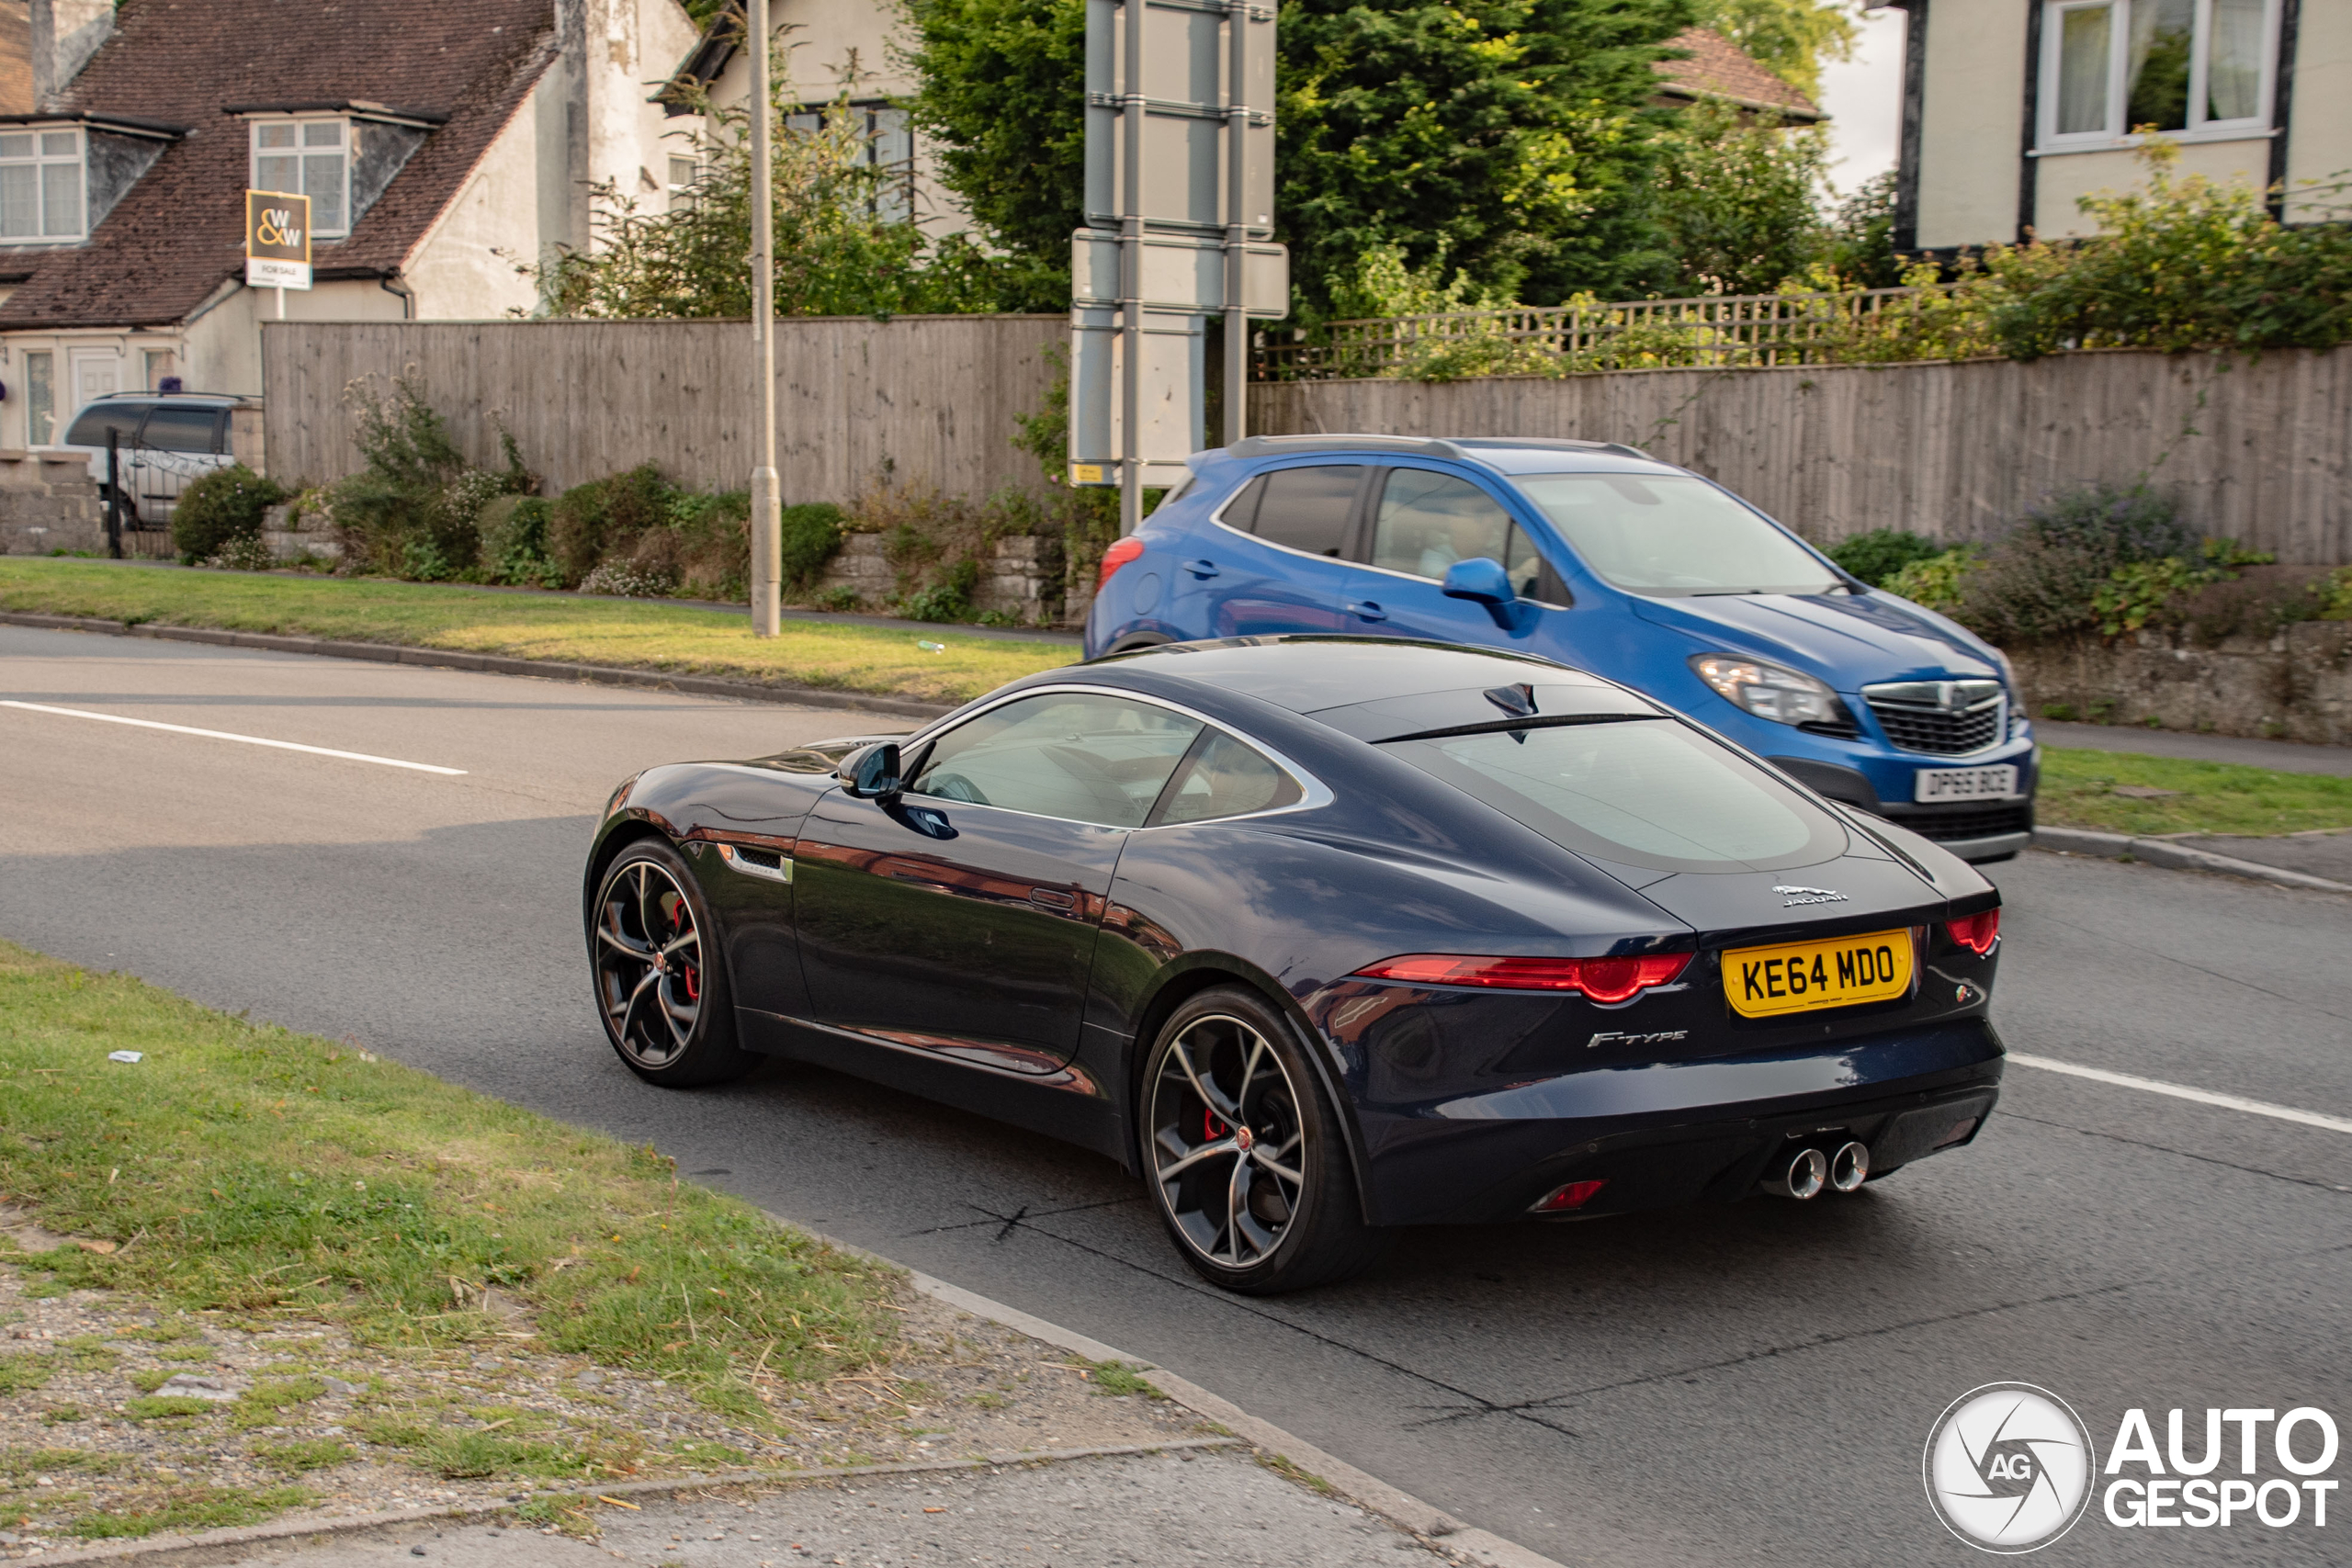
(1482, 581)
(871, 772)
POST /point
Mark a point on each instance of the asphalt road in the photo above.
(1734, 1385)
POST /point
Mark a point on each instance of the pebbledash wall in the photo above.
(2259, 449)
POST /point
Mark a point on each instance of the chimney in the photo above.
(66, 34)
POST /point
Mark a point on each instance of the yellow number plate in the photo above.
(1798, 977)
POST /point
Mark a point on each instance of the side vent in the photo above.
(753, 860)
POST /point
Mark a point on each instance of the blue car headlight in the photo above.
(1768, 690)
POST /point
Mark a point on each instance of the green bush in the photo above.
(1878, 554)
(949, 599)
(2114, 524)
(605, 517)
(224, 505)
(812, 532)
(515, 541)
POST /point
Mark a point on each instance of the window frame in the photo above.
(46, 383)
(301, 152)
(870, 133)
(2117, 132)
(1313, 793)
(39, 161)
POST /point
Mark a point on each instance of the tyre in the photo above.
(660, 986)
(1244, 1153)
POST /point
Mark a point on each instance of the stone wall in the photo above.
(2294, 686)
(48, 503)
(1021, 577)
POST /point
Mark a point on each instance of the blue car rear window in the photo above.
(1647, 792)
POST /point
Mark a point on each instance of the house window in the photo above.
(41, 185)
(307, 157)
(40, 398)
(886, 140)
(2187, 67)
(685, 176)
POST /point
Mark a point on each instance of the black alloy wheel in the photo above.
(662, 987)
(1243, 1152)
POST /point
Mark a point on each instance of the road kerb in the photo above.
(2175, 857)
(228, 1545)
(492, 664)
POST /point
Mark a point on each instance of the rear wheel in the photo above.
(660, 984)
(1244, 1152)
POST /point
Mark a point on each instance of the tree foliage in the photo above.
(1738, 198)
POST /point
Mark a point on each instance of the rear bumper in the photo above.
(1674, 1133)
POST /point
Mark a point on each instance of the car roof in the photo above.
(1379, 688)
(1504, 453)
(223, 399)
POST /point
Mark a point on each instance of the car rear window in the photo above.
(1307, 509)
(179, 428)
(1222, 777)
(1644, 792)
(90, 425)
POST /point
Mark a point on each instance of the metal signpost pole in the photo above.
(114, 492)
(1237, 192)
(1131, 125)
(767, 519)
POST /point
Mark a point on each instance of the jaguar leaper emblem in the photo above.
(1793, 896)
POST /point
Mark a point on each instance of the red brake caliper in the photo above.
(1211, 1128)
(682, 923)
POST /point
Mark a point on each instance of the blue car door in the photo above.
(1276, 560)
(1420, 522)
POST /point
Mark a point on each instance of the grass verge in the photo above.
(247, 1168)
(2082, 789)
(647, 635)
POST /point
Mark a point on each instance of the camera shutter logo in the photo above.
(2008, 1467)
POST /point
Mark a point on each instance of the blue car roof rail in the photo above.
(1459, 448)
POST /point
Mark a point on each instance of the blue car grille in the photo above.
(1943, 732)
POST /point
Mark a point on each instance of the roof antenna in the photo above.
(1517, 701)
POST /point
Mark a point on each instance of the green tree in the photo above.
(1861, 236)
(1509, 138)
(1737, 197)
(1788, 37)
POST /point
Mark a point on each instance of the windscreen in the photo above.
(1644, 792)
(1669, 535)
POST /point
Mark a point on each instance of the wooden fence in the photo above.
(2259, 450)
(920, 399)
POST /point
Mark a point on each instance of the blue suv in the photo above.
(1597, 556)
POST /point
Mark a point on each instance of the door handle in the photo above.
(1200, 568)
(1366, 610)
(1052, 900)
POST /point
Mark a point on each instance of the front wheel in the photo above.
(1244, 1152)
(661, 982)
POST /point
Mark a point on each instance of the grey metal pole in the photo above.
(114, 492)
(1131, 122)
(767, 522)
(1236, 179)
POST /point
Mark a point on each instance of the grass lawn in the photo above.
(241, 1168)
(2079, 790)
(643, 634)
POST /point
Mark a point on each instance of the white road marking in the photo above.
(2182, 1091)
(247, 740)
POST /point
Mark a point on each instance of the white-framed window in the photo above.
(307, 157)
(41, 398)
(40, 187)
(2189, 68)
(685, 179)
(886, 133)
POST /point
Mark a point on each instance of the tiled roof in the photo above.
(178, 233)
(1719, 68)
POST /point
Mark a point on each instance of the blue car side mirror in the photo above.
(871, 772)
(1482, 581)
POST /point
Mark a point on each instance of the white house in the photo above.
(2013, 109)
(444, 145)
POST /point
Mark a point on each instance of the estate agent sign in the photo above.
(278, 239)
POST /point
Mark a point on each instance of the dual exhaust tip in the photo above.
(1806, 1172)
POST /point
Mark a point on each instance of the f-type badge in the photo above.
(1793, 896)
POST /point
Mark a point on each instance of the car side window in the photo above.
(178, 428)
(1307, 509)
(91, 425)
(1429, 520)
(1079, 756)
(1223, 777)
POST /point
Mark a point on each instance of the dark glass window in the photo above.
(1426, 522)
(91, 425)
(1075, 755)
(1222, 777)
(178, 428)
(1308, 509)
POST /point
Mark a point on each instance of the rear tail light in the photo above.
(1976, 932)
(1575, 1195)
(1600, 979)
(1118, 555)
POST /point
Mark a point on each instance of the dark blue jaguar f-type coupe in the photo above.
(1320, 936)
